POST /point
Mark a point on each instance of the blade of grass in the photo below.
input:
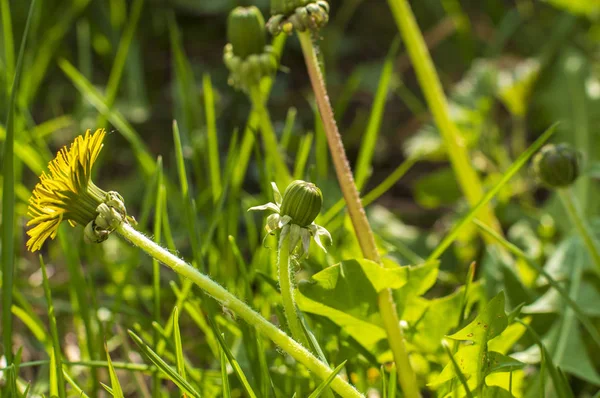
(45, 52)
(117, 391)
(288, 128)
(79, 300)
(374, 194)
(325, 383)
(272, 149)
(367, 147)
(562, 389)
(224, 376)
(460, 160)
(9, 46)
(393, 383)
(8, 200)
(513, 169)
(57, 386)
(302, 157)
(583, 318)
(167, 370)
(158, 212)
(80, 393)
(86, 88)
(213, 144)
(118, 65)
(232, 361)
(178, 348)
(458, 372)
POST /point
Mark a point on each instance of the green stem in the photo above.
(362, 229)
(570, 203)
(458, 153)
(287, 293)
(273, 154)
(278, 337)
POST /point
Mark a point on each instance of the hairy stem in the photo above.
(362, 229)
(296, 350)
(287, 293)
(570, 203)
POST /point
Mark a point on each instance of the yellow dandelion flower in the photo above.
(67, 192)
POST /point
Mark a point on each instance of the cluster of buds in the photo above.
(557, 166)
(300, 15)
(247, 56)
(111, 213)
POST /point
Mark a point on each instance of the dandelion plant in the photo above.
(68, 194)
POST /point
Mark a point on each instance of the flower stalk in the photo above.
(362, 229)
(293, 348)
(287, 292)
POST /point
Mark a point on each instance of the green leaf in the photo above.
(347, 293)
(476, 361)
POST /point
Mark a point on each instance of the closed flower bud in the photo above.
(301, 15)
(246, 31)
(557, 166)
(302, 202)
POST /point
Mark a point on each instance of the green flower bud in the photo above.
(287, 15)
(557, 165)
(246, 31)
(302, 201)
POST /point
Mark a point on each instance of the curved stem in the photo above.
(287, 292)
(273, 154)
(362, 229)
(570, 202)
(278, 337)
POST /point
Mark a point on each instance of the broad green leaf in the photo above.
(476, 361)
(431, 320)
(488, 324)
(346, 293)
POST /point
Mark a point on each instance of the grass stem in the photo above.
(273, 154)
(429, 81)
(571, 205)
(233, 303)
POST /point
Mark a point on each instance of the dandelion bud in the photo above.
(557, 166)
(247, 56)
(302, 202)
(302, 15)
(246, 31)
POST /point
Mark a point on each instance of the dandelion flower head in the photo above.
(66, 192)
